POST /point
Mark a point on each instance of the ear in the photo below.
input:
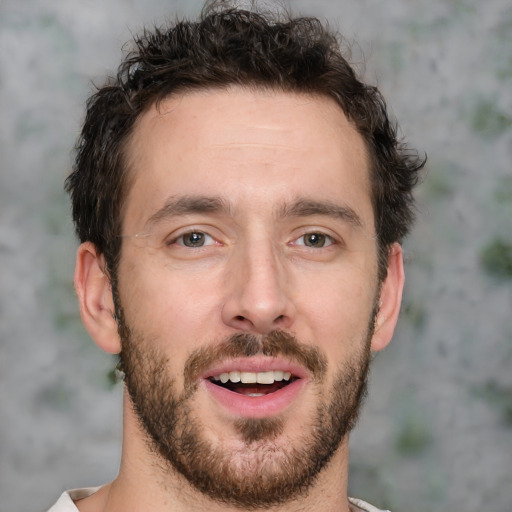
(94, 292)
(390, 299)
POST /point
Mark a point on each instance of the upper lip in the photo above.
(257, 364)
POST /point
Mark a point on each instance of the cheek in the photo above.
(167, 306)
(173, 304)
(336, 308)
(173, 316)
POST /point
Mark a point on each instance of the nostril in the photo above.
(240, 318)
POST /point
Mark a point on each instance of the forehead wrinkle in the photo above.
(189, 204)
(234, 144)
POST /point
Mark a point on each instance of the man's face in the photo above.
(247, 297)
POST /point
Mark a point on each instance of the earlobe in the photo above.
(390, 299)
(94, 292)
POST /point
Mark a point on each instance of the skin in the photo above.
(263, 154)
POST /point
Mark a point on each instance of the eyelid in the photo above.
(328, 238)
(175, 239)
(335, 239)
(172, 238)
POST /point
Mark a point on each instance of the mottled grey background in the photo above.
(436, 434)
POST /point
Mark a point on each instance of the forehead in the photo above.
(249, 146)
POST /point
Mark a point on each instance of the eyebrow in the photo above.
(187, 205)
(308, 207)
(302, 207)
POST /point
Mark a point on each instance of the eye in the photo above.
(315, 240)
(194, 239)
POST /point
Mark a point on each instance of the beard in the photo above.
(266, 468)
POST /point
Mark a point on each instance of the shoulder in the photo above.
(66, 501)
(362, 506)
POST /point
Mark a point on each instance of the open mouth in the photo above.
(253, 384)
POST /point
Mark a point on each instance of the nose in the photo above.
(258, 299)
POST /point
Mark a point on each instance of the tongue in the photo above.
(255, 389)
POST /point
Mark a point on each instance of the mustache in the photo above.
(276, 343)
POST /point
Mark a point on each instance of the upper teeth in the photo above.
(253, 377)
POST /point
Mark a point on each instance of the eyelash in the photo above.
(174, 240)
(328, 240)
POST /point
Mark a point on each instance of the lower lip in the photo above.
(255, 406)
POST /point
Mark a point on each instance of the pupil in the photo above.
(194, 239)
(315, 240)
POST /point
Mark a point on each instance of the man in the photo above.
(240, 197)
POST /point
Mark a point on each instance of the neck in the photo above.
(145, 482)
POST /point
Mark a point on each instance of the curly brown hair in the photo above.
(225, 47)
